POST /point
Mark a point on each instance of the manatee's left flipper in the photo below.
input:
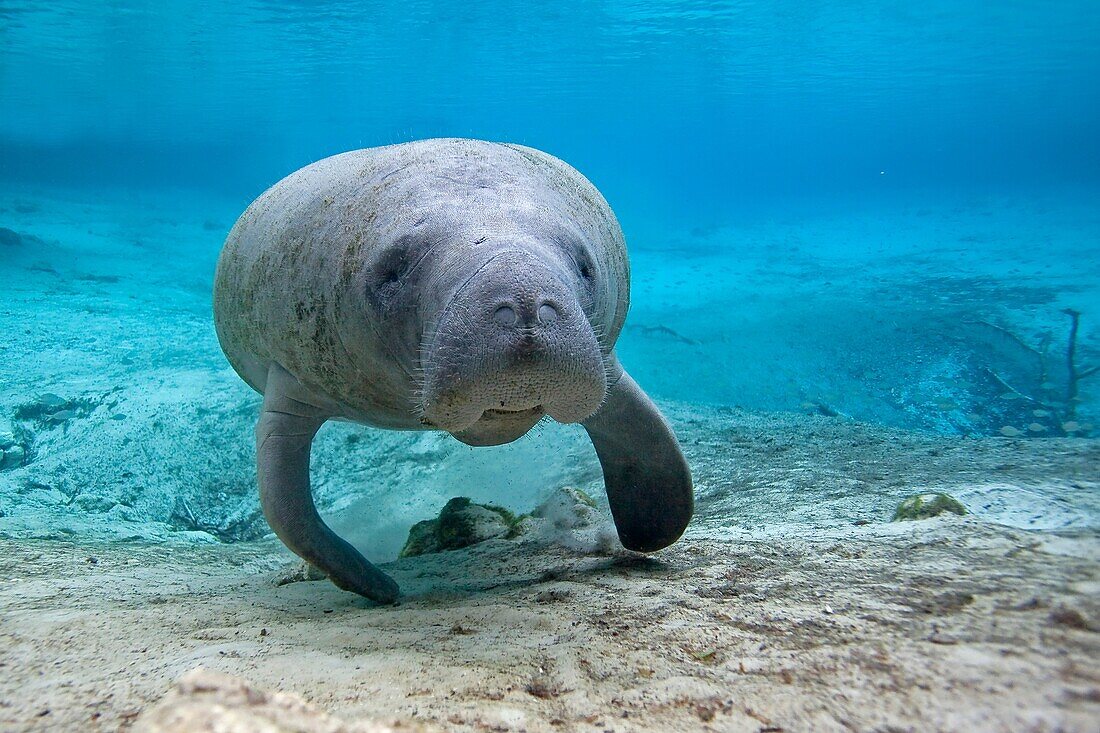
(647, 478)
(284, 433)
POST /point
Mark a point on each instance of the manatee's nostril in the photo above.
(547, 313)
(504, 315)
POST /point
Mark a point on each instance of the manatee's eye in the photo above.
(385, 280)
(584, 264)
(390, 268)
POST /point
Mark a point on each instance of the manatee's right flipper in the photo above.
(284, 434)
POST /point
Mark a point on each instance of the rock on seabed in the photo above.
(925, 506)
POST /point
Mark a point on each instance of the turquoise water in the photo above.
(869, 212)
(697, 109)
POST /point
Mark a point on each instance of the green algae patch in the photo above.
(924, 506)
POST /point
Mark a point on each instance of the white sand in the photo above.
(940, 625)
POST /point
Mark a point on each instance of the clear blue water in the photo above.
(865, 249)
(875, 212)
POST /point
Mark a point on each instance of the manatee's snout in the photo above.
(527, 322)
(512, 345)
(527, 317)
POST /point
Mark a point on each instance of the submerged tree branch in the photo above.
(1075, 375)
(1013, 390)
(1005, 332)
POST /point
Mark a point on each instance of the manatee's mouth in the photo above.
(568, 395)
(493, 411)
(490, 391)
(500, 425)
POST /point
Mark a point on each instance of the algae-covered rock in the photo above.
(461, 523)
(423, 539)
(92, 503)
(923, 506)
(568, 516)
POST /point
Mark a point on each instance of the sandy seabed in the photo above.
(792, 604)
(947, 624)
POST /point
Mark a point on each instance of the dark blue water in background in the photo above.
(697, 108)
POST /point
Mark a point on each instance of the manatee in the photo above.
(456, 285)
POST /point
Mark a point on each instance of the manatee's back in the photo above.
(274, 285)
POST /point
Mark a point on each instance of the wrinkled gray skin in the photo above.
(456, 285)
